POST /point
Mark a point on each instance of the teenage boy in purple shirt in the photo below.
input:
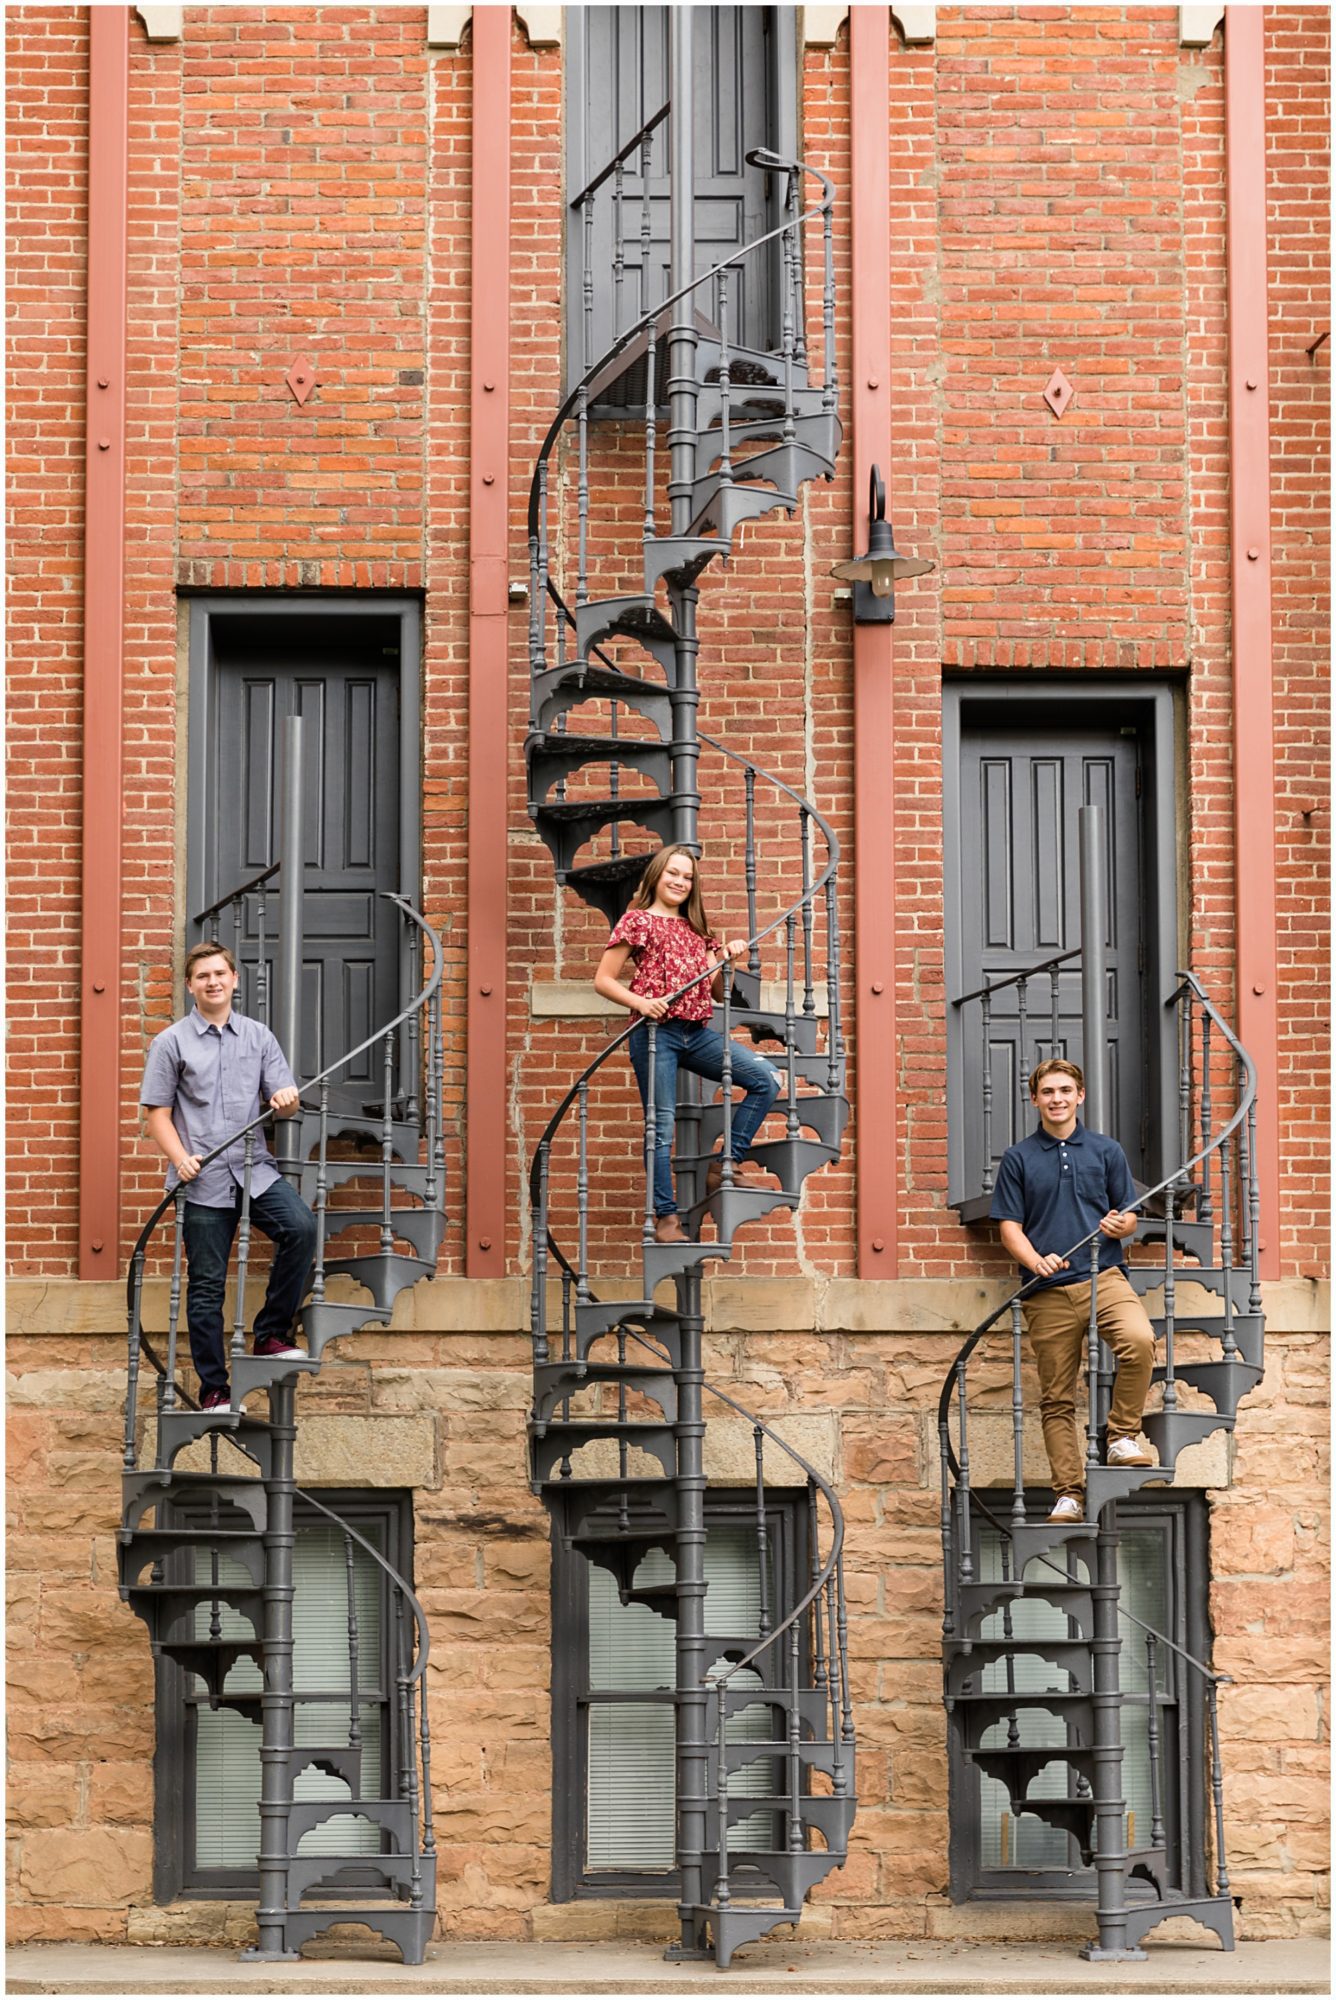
(206, 1077)
(1055, 1187)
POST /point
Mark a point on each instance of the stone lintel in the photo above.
(1197, 25)
(163, 24)
(446, 25)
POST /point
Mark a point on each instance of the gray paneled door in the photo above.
(351, 842)
(621, 63)
(1020, 790)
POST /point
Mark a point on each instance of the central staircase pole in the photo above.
(691, 1758)
(276, 1741)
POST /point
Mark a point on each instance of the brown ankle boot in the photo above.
(746, 1174)
(668, 1229)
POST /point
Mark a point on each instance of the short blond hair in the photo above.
(1062, 1066)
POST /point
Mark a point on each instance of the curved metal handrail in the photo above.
(267, 1117)
(623, 340)
(1188, 983)
(819, 882)
(135, 1274)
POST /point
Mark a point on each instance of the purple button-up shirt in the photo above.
(216, 1080)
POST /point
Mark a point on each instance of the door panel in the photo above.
(1021, 788)
(625, 70)
(351, 832)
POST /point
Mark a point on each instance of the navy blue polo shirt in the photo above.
(1059, 1190)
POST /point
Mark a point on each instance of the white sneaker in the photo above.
(1067, 1511)
(1127, 1451)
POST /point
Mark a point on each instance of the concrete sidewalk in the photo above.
(1296, 1965)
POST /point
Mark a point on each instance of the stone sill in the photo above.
(951, 1307)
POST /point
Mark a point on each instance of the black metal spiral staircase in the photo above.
(1001, 1673)
(763, 1719)
(206, 1552)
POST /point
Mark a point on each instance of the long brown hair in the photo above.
(694, 907)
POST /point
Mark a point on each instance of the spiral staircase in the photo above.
(616, 764)
(1047, 1635)
(205, 1547)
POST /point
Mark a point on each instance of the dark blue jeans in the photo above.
(695, 1046)
(290, 1227)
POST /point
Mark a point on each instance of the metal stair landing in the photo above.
(220, 1539)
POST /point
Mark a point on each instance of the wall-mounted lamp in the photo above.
(875, 575)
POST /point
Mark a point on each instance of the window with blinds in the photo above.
(214, 1754)
(613, 1681)
(1162, 1585)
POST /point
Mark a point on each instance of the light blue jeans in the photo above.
(696, 1046)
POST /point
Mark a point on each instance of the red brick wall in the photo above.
(1298, 216)
(47, 100)
(300, 188)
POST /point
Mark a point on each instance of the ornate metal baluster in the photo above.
(243, 1254)
(834, 1029)
(1205, 1207)
(1228, 1341)
(793, 1124)
(726, 1080)
(387, 1144)
(814, 1553)
(1254, 1213)
(321, 1197)
(948, 1532)
(722, 1895)
(1170, 1297)
(618, 252)
(1017, 1417)
(646, 249)
(725, 389)
(986, 1092)
(130, 1452)
(651, 359)
(795, 1748)
(1009, 1664)
(1022, 1060)
(582, 1194)
(1054, 1018)
(830, 369)
(412, 1031)
(1185, 1147)
(582, 499)
(846, 1702)
(762, 1533)
(754, 954)
(1217, 1791)
(805, 840)
(963, 1480)
(174, 1299)
(261, 963)
(540, 591)
(540, 1349)
(354, 1708)
(651, 1138)
(799, 277)
(1153, 1741)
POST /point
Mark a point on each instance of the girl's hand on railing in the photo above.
(653, 1007)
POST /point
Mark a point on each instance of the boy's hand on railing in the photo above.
(284, 1102)
(1118, 1223)
(1048, 1267)
(187, 1167)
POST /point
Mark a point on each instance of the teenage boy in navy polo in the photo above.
(1052, 1189)
(206, 1077)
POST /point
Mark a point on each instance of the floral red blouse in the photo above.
(668, 952)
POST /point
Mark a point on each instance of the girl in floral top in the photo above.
(665, 935)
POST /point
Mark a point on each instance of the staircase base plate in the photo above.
(1125, 1954)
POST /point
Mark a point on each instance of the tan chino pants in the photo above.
(1057, 1321)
